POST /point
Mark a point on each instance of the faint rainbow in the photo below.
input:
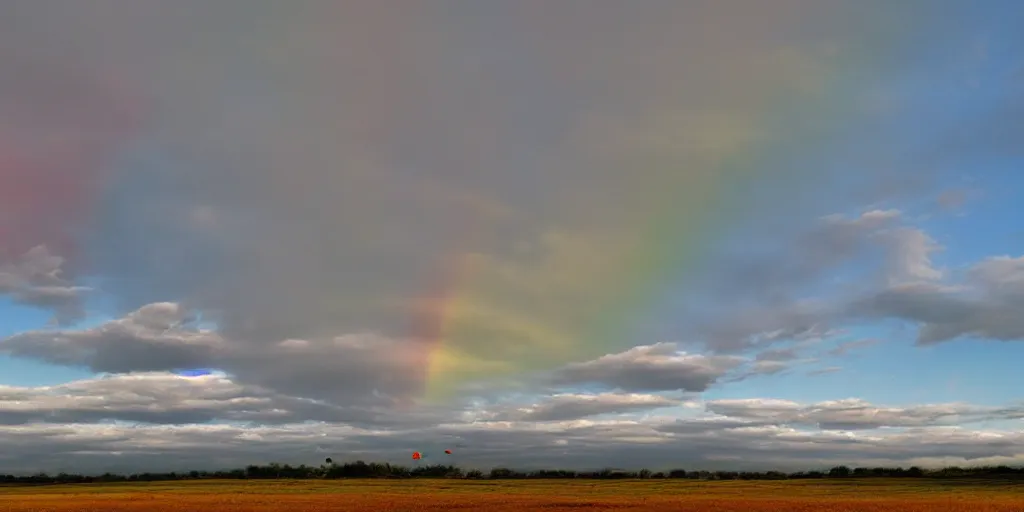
(676, 227)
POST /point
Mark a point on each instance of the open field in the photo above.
(853, 495)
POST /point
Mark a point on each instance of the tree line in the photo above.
(360, 469)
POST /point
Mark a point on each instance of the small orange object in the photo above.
(416, 455)
(449, 452)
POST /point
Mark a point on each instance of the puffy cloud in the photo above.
(144, 397)
(778, 296)
(35, 279)
(910, 256)
(781, 298)
(154, 337)
(166, 337)
(658, 367)
(984, 305)
(356, 368)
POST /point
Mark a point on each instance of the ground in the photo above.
(853, 495)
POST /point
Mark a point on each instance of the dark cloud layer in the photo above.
(305, 173)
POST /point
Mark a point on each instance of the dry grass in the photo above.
(876, 495)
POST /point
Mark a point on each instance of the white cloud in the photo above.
(69, 426)
(658, 367)
(167, 398)
(909, 258)
(569, 406)
(656, 443)
(855, 414)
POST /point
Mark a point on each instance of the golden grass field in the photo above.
(868, 495)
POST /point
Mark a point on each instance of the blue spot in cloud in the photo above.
(195, 372)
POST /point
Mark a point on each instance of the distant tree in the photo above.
(361, 469)
(497, 473)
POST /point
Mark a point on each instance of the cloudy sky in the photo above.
(700, 234)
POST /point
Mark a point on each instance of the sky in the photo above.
(582, 234)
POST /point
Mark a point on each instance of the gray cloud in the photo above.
(368, 196)
(68, 428)
(166, 398)
(351, 369)
(984, 305)
(909, 258)
(855, 414)
(345, 370)
(165, 337)
(846, 347)
(769, 367)
(562, 407)
(35, 279)
(659, 367)
(777, 296)
(155, 337)
(779, 354)
(826, 370)
(574, 445)
(305, 173)
(953, 199)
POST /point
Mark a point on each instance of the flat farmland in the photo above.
(852, 495)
